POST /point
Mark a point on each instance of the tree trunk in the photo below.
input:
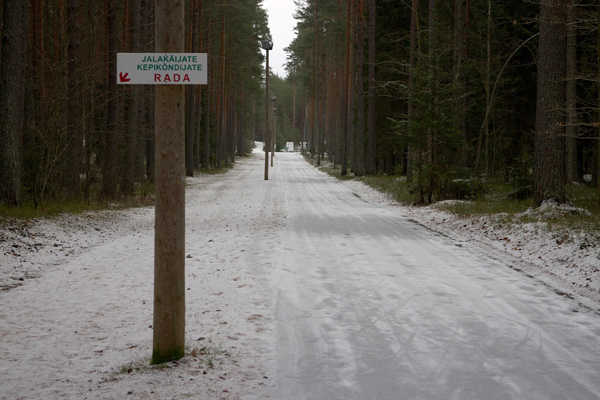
(241, 142)
(488, 88)
(460, 56)
(344, 101)
(371, 137)
(351, 93)
(411, 88)
(231, 112)
(312, 107)
(15, 19)
(73, 144)
(207, 148)
(148, 46)
(220, 95)
(190, 130)
(571, 138)
(432, 102)
(359, 168)
(549, 175)
(197, 47)
(132, 127)
(317, 78)
(112, 116)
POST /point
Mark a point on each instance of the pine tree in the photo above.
(549, 172)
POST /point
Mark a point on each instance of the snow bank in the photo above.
(567, 260)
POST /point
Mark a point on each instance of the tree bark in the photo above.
(488, 88)
(432, 102)
(351, 93)
(112, 116)
(132, 127)
(241, 139)
(344, 101)
(207, 148)
(460, 56)
(148, 92)
(359, 168)
(411, 88)
(317, 78)
(190, 130)
(549, 174)
(74, 142)
(571, 138)
(598, 141)
(197, 47)
(15, 19)
(371, 136)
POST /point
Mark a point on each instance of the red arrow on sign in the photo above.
(124, 78)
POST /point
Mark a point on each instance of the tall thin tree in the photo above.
(15, 18)
(371, 136)
(411, 88)
(549, 167)
(344, 101)
(359, 168)
(112, 117)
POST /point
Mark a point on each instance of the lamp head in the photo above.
(267, 44)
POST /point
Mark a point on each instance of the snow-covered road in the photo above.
(297, 288)
(371, 305)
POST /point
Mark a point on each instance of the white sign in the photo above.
(162, 68)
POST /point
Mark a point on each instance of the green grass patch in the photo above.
(327, 167)
(49, 209)
(585, 196)
(216, 171)
(395, 186)
(337, 173)
(143, 197)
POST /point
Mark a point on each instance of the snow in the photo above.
(76, 292)
(83, 311)
(371, 304)
(569, 261)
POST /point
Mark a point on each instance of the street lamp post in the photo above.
(267, 45)
(273, 139)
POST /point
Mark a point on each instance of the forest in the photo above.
(453, 95)
(70, 134)
(450, 94)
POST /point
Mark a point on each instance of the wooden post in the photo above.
(169, 244)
